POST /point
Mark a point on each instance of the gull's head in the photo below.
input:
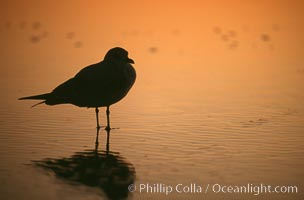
(118, 55)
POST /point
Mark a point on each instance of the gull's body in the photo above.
(98, 85)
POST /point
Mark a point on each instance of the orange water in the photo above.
(200, 111)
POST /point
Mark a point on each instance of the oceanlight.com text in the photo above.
(195, 188)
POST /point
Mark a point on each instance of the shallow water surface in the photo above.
(179, 133)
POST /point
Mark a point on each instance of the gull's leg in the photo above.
(97, 120)
(108, 118)
(108, 141)
(96, 140)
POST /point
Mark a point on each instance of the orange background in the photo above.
(165, 38)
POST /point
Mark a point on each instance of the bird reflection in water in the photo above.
(95, 168)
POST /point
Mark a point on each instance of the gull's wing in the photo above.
(92, 83)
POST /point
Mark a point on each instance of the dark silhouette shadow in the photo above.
(95, 168)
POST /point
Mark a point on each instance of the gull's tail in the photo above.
(37, 97)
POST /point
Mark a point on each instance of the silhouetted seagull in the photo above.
(98, 85)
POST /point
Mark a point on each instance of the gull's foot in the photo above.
(99, 127)
(107, 128)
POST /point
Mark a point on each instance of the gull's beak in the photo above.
(131, 61)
